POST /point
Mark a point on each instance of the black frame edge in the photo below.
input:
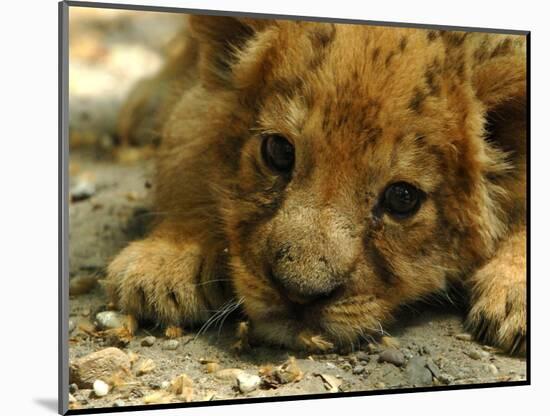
(63, 217)
(295, 398)
(166, 9)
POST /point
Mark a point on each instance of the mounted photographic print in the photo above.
(263, 208)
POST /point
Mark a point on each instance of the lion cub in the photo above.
(319, 176)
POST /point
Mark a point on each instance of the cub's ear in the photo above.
(221, 39)
(499, 75)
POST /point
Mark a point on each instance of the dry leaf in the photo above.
(288, 372)
(133, 357)
(156, 398)
(182, 386)
(209, 396)
(212, 367)
(145, 366)
(87, 327)
(332, 384)
(118, 379)
(116, 337)
(229, 373)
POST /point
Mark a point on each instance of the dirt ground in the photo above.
(110, 191)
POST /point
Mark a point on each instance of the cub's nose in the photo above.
(311, 266)
(303, 291)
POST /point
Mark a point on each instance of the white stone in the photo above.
(109, 320)
(248, 382)
(101, 388)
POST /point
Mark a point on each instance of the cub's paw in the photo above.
(157, 280)
(498, 293)
(498, 313)
(499, 319)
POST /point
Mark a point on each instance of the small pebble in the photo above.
(373, 348)
(119, 403)
(72, 398)
(474, 355)
(101, 388)
(446, 378)
(425, 350)
(407, 353)
(165, 384)
(248, 382)
(72, 326)
(392, 356)
(492, 369)
(362, 356)
(332, 366)
(148, 341)
(73, 388)
(417, 372)
(171, 344)
(109, 320)
(463, 337)
(155, 385)
(136, 393)
(485, 354)
(430, 365)
(82, 190)
(359, 369)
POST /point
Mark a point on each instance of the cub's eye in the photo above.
(278, 153)
(402, 199)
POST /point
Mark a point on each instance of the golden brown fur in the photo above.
(312, 255)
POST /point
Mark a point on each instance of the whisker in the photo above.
(213, 318)
(229, 312)
(212, 281)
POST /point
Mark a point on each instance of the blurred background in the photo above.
(109, 51)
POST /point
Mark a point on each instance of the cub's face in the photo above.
(360, 183)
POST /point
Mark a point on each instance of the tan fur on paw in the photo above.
(501, 321)
(314, 343)
(243, 342)
(155, 279)
(173, 332)
(498, 315)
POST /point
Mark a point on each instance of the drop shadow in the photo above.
(47, 403)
